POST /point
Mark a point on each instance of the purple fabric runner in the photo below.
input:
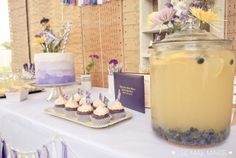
(38, 153)
(1, 147)
(15, 155)
(47, 152)
(64, 150)
(4, 150)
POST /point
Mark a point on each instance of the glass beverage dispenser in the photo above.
(192, 88)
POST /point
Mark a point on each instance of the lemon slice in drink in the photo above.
(215, 66)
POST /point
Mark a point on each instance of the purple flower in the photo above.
(44, 20)
(94, 56)
(169, 5)
(113, 61)
(37, 36)
(32, 67)
(26, 68)
(164, 16)
(200, 5)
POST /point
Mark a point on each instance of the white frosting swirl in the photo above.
(60, 101)
(71, 103)
(101, 110)
(116, 106)
(85, 108)
(98, 103)
(77, 97)
(82, 101)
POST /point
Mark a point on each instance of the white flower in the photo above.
(181, 5)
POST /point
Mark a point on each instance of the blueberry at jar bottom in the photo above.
(193, 136)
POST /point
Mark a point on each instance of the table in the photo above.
(26, 126)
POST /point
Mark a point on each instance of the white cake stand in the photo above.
(56, 89)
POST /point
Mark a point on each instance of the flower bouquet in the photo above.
(181, 14)
(49, 41)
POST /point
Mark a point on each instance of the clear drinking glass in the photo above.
(192, 88)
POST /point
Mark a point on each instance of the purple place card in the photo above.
(131, 87)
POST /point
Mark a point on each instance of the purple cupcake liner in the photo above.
(59, 109)
(70, 114)
(118, 115)
(84, 118)
(103, 121)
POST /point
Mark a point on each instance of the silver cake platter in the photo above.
(56, 89)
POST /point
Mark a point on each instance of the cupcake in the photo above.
(100, 116)
(98, 103)
(84, 112)
(82, 101)
(77, 97)
(117, 110)
(71, 107)
(59, 104)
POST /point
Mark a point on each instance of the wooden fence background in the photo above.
(110, 30)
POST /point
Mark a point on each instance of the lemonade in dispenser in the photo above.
(192, 88)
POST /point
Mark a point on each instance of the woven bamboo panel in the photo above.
(91, 40)
(230, 31)
(130, 6)
(19, 42)
(111, 34)
(73, 14)
(131, 35)
(102, 35)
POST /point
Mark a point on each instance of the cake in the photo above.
(100, 116)
(77, 97)
(98, 103)
(59, 104)
(117, 110)
(71, 107)
(54, 68)
(84, 112)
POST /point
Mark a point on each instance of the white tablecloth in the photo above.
(25, 126)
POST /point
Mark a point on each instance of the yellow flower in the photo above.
(204, 16)
(39, 40)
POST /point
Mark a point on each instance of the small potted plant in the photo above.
(86, 78)
(113, 66)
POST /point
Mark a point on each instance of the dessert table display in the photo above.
(26, 126)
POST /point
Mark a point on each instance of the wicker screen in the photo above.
(230, 31)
